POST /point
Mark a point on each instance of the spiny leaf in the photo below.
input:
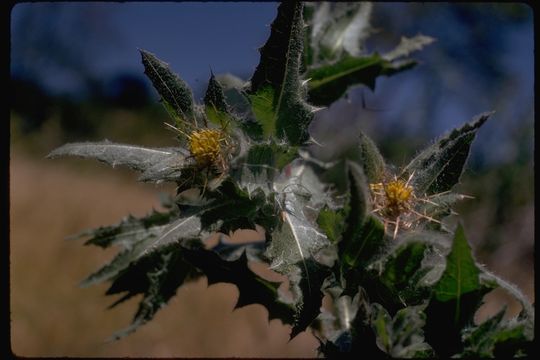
(252, 288)
(129, 231)
(233, 208)
(490, 280)
(369, 240)
(124, 258)
(262, 104)
(276, 93)
(297, 237)
(401, 336)
(157, 276)
(297, 243)
(331, 81)
(496, 337)
(456, 298)
(401, 266)
(307, 292)
(216, 108)
(174, 92)
(407, 46)
(371, 159)
(171, 169)
(332, 222)
(279, 50)
(461, 275)
(135, 157)
(439, 167)
(188, 226)
(335, 28)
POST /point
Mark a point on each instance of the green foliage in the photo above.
(276, 89)
(335, 55)
(402, 282)
(175, 93)
(438, 168)
(461, 275)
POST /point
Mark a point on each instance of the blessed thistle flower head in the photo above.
(396, 202)
(206, 146)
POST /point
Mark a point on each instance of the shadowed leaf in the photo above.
(401, 336)
(252, 288)
(461, 275)
(329, 82)
(215, 106)
(174, 92)
(439, 167)
(371, 159)
(276, 93)
(157, 276)
(456, 298)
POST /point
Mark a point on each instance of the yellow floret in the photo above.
(397, 193)
(205, 146)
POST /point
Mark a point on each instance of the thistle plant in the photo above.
(383, 245)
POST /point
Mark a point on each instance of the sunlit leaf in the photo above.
(135, 157)
(276, 92)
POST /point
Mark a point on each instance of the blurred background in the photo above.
(76, 75)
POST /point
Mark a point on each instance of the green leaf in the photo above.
(128, 231)
(461, 275)
(298, 249)
(125, 258)
(361, 249)
(401, 266)
(276, 92)
(401, 336)
(188, 226)
(175, 93)
(133, 235)
(439, 167)
(307, 295)
(363, 235)
(232, 208)
(297, 237)
(135, 157)
(216, 108)
(456, 298)
(329, 82)
(332, 222)
(371, 159)
(262, 104)
(252, 288)
(270, 156)
(157, 276)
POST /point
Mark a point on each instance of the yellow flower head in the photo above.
(392, 198)
(398, 193)
(205, 146)
(398, 205)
